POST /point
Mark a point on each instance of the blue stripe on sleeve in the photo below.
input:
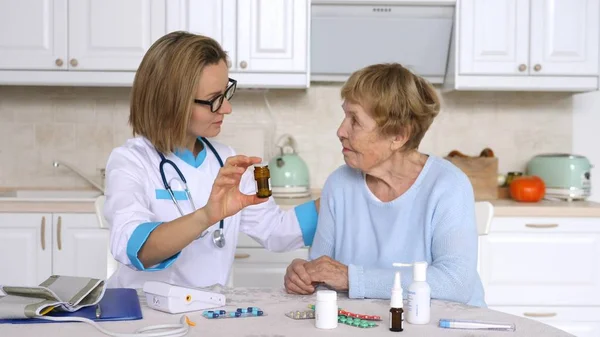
(137, 240)
(306, 214)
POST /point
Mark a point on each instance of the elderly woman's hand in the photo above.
(296, 279)
(328, 271)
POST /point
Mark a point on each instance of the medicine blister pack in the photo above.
(356, 322)
(299, 314)
(237, 313)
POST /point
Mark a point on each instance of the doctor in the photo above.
(176, 201)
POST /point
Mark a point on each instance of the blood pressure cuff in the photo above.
(62, 293)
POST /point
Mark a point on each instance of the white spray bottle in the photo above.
(419, 294)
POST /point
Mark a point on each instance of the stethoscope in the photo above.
(218, 235)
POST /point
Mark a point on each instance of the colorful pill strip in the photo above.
(239, 312)
(343, 312)
(357, 322)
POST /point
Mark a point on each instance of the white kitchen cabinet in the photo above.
(34, 34)
(113, 35)
(272, 36)
(580, 322)
(101, 43)
(544, 269)
(80, 246)
(525, 45)
(266, 41)
(207, 17)
(564, 37)
(494, 37)
(88, 35)
(34, 246)
(76, 42)
(25, 248)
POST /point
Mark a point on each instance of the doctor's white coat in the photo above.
(136, 197)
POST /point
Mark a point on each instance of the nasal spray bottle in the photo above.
(419, 294)
(397, 306)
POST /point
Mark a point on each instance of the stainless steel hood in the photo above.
(347, 35)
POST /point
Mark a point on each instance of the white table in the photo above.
(275, 303)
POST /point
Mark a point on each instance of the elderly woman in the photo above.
(391, 203)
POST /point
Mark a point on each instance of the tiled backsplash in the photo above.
(81, 125)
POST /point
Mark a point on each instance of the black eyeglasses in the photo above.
(215, 103)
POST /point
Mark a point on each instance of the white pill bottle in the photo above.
(326, 310)
(419, 296)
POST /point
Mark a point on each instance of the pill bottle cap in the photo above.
(326, 296)
(420, 271)
(261, 164)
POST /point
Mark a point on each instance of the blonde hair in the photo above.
(165, 85)
(399, 101)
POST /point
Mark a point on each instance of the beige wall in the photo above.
(82, 125)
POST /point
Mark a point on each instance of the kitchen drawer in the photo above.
(579, 321)
(541, 266)
(545, 224)
(257, 267)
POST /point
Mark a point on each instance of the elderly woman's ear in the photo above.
(399, 141)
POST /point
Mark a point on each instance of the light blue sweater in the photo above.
(433, 221)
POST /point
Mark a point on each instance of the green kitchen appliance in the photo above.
(289, 173)
(566, 176)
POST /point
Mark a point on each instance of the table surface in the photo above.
(275, 303)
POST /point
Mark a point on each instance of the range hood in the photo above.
(347, 35)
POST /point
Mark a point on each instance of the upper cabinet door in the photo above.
(564, 37)
(213, 18)
(272, 35)
(113, 34)
(34, 34)
(494, 37)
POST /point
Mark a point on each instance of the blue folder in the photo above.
(117, 304)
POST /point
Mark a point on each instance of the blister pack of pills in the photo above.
(356, 322)
(342, 312)
(237, 313)
(301, 314)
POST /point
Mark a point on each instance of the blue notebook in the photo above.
(117, 304)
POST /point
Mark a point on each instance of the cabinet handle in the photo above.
(538, 225)
(242, 256)
(43, 233)
(537, 67)
(58, 233)
(539, 314)
(59, 62)
(243, 64)
(522, 67)
(74, 62)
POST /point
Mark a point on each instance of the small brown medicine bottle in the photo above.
(262, 175)
(396, 306)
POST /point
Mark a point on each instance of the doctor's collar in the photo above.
(188, 156)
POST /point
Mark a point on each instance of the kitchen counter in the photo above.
(502, 207)
(545, 208)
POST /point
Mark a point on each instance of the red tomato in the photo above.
(527, 189)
